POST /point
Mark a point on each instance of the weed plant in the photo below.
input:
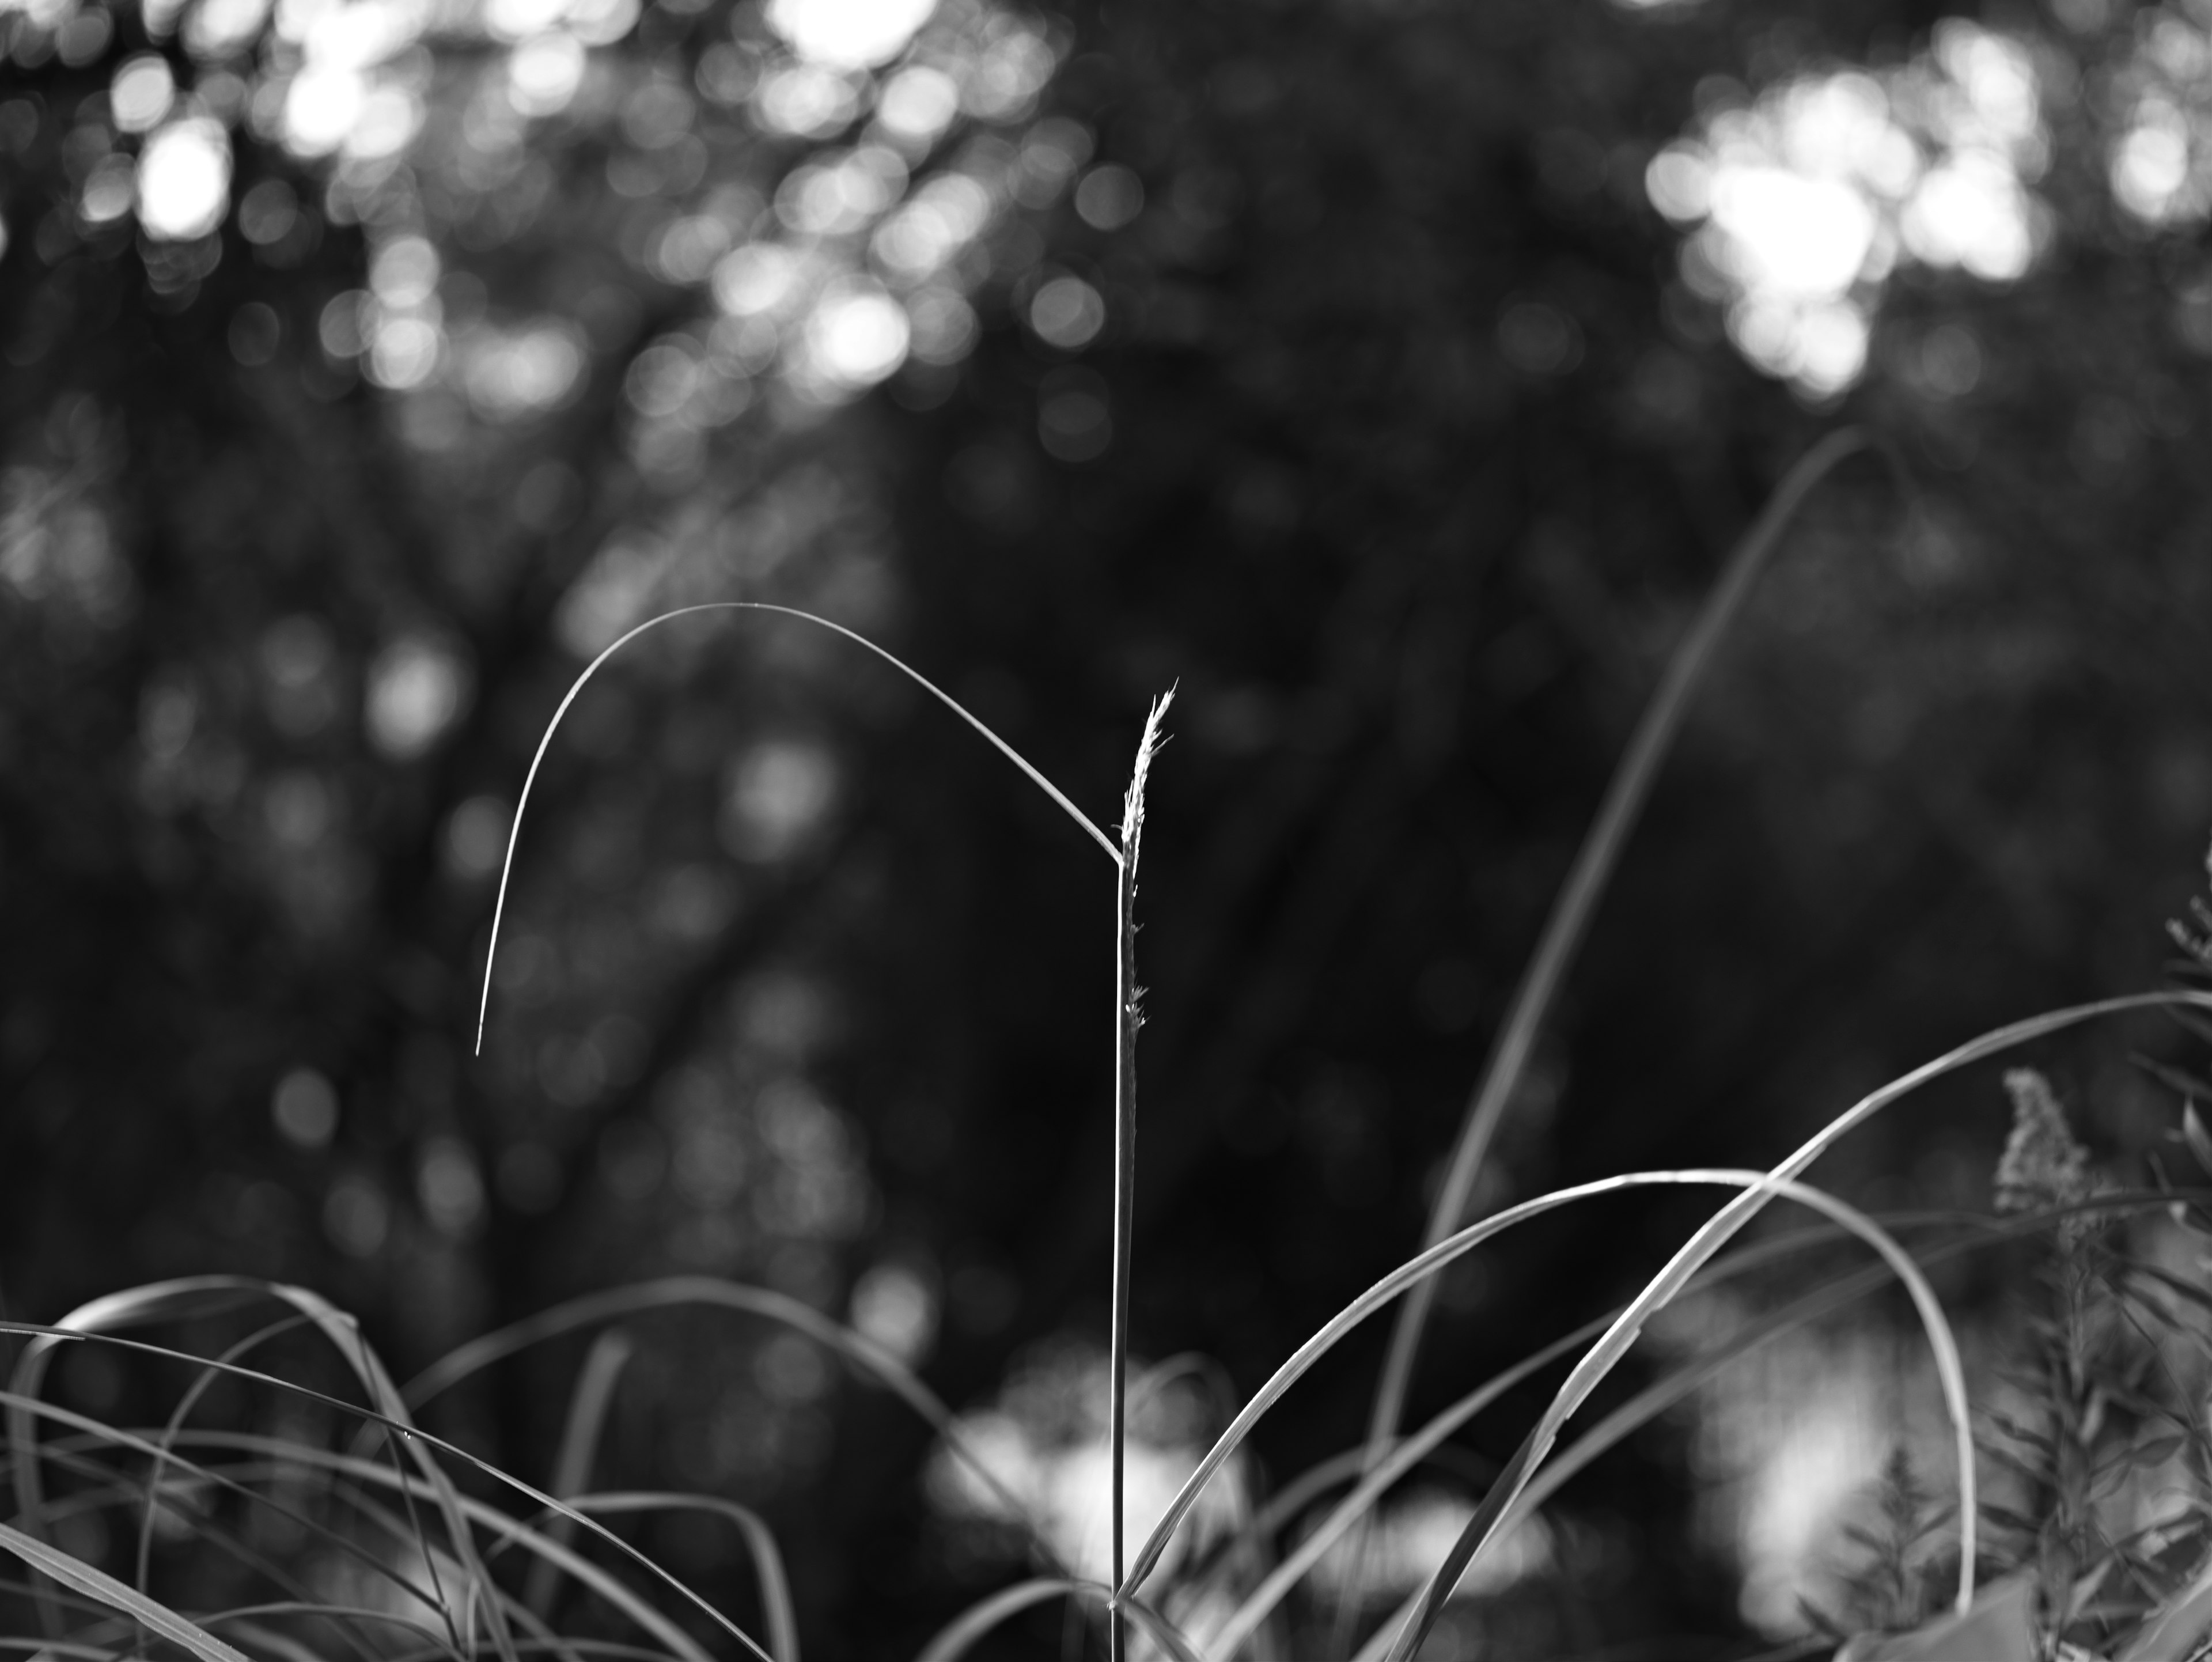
(260, 1486)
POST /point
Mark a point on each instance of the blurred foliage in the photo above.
(372, 363)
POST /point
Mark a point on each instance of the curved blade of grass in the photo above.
(467, 1507)
(1716, 1233)
(511, 1531)
(1327, 1336)
(346, 1338)
(80, 1577)
(204, 1293)
(1646, 1406)
(234, 1480)
(180, 1299)
(1286, 1503)
(1949, 1373)
(667, 1291)
(1375, 1481)
(961, 1635)
(401, 1530)
(193, 1392)
(514, 831)
(776, 1608)
(608, 1647)
(336, 1615)
(579, 1442)
(194, 1295)
(1625, 795)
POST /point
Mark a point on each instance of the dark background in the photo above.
(1951, 769)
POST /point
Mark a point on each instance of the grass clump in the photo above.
(288, 1503)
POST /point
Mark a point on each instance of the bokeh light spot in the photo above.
(417, 687)
(142, 93)
(850, 34)
(183, 181)
(1067, 312)
(305, 1108)
(857, 335)
(1108, 197)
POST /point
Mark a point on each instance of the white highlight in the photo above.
(183, 181)
(848, 34)
(1805, 202)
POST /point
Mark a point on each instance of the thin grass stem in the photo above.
(529, 779)
(579, 1441)
(1128, 1017)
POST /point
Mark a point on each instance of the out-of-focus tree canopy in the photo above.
(1393, 376)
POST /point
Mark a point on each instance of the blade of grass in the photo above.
(1128, 1018)
(197, 1389)
(1373, 1481)
(1327, 1337)
(500, 1521)
(205, 1294)
(1949, 1372)
(197, 1295)
(1625, 795)
(231, 1480)
(511, 1531)
(336, 1615)
(1647, 1405)
(1606, 1354)
(1288, 1502)
(643, 1296)
(776, 1608)
(82, 1578)
(579, 1441)
(972, 1624)
(514, 831)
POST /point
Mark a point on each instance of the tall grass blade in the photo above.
(80, 1577)
(1128, 1018)
(779, 1616)
(514, 831)
(1625, 795)
(197, 1389)
(580, 1443)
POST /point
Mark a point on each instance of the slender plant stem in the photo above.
(545, 740)
(1624, 798)
(1128, 1018)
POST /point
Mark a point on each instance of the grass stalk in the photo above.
(579, 1444)
(1625, 799)
(545, 740)
(1128, 1017)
